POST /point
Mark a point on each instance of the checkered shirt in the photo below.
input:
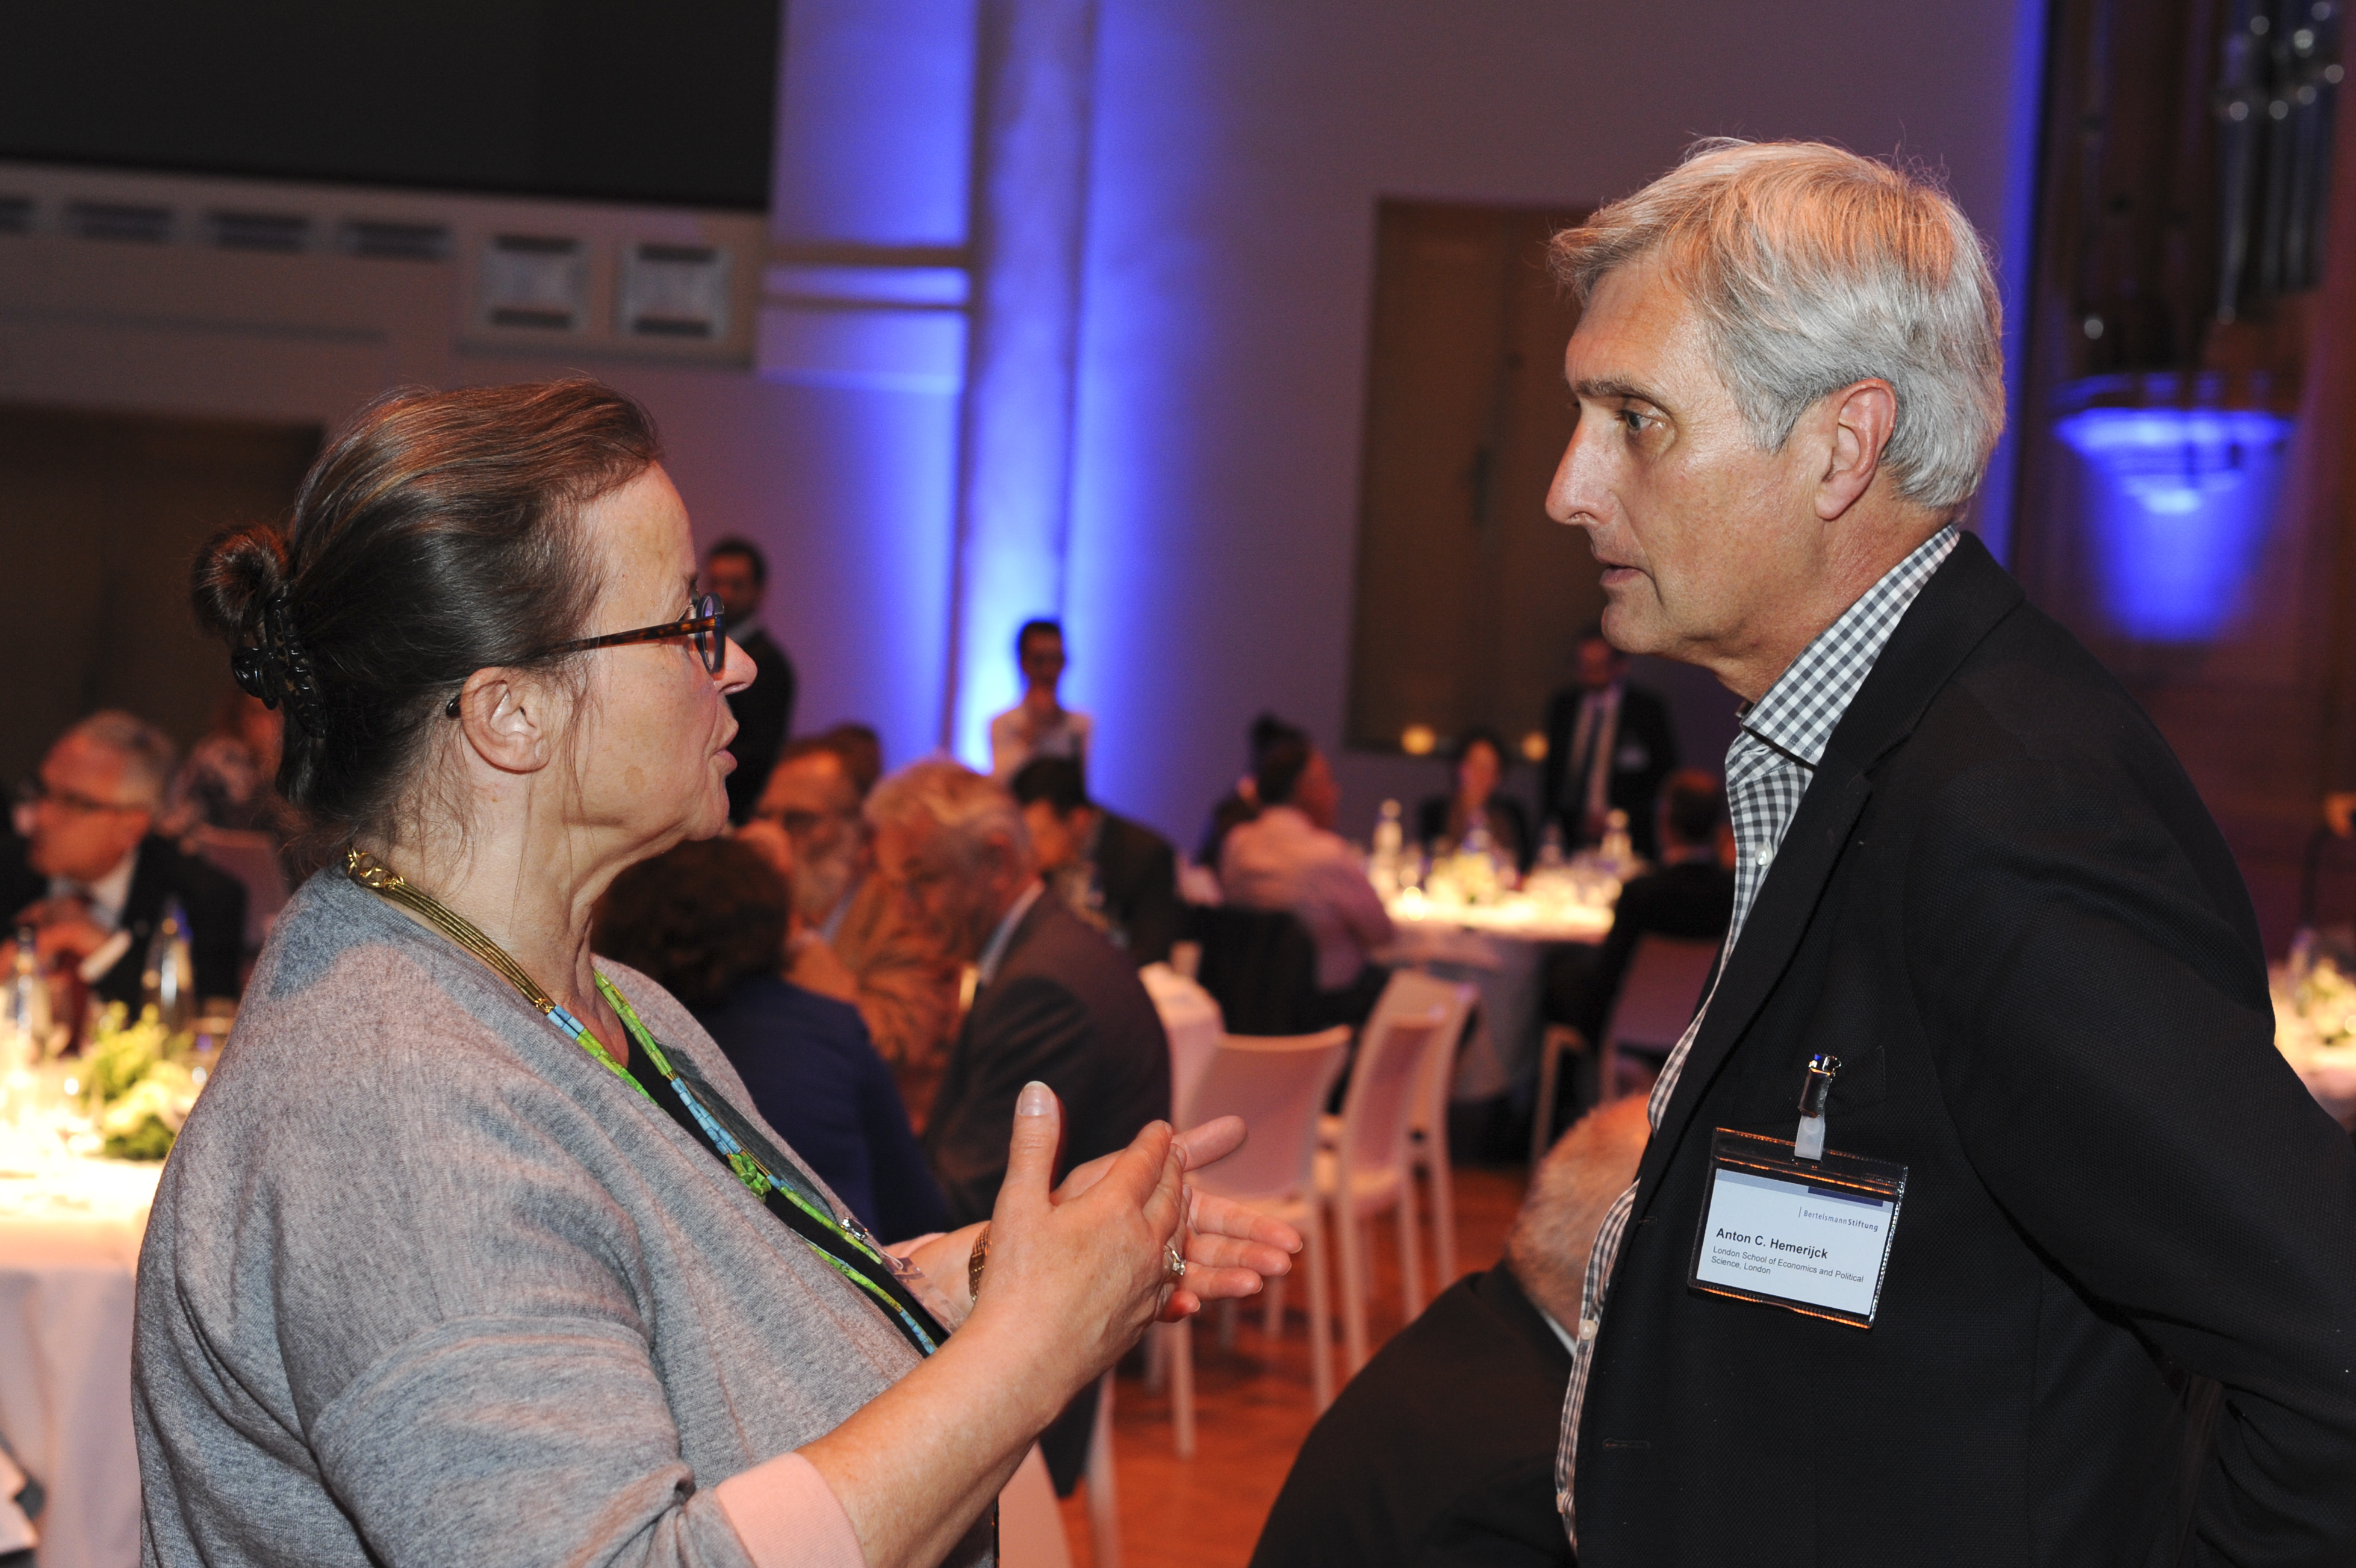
(1768, 766)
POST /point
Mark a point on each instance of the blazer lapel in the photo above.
(1956, 608)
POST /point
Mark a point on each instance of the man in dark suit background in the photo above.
(1119, 875)
(1608, 745)
(1440, 1454)
(1056, 1001)
(737, 573)
(92, 876)
(2112, 1323)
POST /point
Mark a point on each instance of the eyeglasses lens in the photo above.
(710, 640)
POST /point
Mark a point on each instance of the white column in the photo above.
(1035, 75)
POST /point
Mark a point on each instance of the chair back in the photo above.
(1278, 1086)
(252, 859)
(1393, 1060)
(1030, 1521)
(1409, 994)
(1259, 965)
(1661, 993)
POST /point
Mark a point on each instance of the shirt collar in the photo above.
(106, 896)
(995, 953)
(1800, 712)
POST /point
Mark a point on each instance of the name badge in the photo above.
(1809, 1235)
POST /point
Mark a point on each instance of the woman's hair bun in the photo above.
(235, 575)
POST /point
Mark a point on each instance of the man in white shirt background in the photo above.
(1290, 859)
(1038, 726)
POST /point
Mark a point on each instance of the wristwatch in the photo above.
(977, 1260)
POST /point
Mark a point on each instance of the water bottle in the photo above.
(168, 984)
(1618, 852)
(24, 1031)
(1390, 834)
(1550, 846)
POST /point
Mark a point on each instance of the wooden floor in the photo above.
(1253, 1407)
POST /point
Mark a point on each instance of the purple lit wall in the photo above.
(1239, 151)
(2177, 504)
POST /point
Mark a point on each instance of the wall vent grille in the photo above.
(286, 233)
(393, 241)
(674, 291)
(536, 282)
(122, 220)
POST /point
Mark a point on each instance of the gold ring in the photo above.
(1174, 1262)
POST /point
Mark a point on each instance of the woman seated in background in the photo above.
(475, 1248)
(1477, 769)
(708, 921)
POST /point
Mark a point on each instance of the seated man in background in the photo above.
(1442, 1451)
(854, 944)
(1057, 1003)
(1690, 896)
(93, 880)
(706, 921)
(1290, 859)
(1120, 876)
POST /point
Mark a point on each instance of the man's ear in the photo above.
(1862, 418)
(510, 720)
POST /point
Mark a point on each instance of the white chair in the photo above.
(1278, 1084)
(1104, 1495)
(1658, 998)
(1367, 1170)
(1029, 1524)
(1427, 1128)
(1411, 992)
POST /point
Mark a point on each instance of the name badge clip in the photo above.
(1815, 1089)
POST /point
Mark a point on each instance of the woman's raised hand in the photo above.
(1231, 1251)
(1085, 1272)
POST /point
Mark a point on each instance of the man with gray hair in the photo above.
(1055, 1002)
(92, 880)
(1981, 1219)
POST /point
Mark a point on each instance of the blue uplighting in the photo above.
(2180, 503)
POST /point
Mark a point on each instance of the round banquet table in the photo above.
(68, 1251)
(1500, 948)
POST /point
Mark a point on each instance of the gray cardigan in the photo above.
(425, 1284)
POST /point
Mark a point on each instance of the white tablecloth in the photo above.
(1501, 949)
(1192, 1020)
(68, 1248)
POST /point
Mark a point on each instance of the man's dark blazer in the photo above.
(1440, 1454)
(1693, 902)
(2003, 907)
(1644, 754)
(765, 716)
(213, 900)
(1138, 871)
(812, 1071)
(1065, 1007)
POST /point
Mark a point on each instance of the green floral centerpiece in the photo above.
(139, 1082)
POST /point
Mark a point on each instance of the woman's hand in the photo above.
(1078, 1278)
(1231, 1251)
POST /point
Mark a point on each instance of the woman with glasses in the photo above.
(474, 1249)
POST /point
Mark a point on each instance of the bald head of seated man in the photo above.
(1442, 1451)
